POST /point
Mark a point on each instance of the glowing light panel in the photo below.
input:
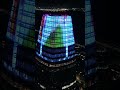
(56, 38)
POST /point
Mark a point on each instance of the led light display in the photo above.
(55, 39)
(89, 28)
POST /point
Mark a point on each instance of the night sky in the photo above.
(99, 17)
(60, 3)
(105, 16)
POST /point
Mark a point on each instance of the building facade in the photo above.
(18, 58)
(90, 61)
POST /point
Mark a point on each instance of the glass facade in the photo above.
(22, 22)
(25, 31)
(89, 28)
(21, 38)
(55, 39)
(90, 61)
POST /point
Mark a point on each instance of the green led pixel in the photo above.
(55, 39)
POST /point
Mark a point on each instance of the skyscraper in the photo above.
(90, 62)
(89, 27)
(19, 53)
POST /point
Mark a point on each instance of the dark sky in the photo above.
(60, 3)
(105, 18)
(6, 4)
(100, 16)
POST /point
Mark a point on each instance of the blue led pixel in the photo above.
(55, 38)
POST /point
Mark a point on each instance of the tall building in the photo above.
(18, 57)
(55, 51)
(90, 62)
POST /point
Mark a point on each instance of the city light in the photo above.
(55, 39)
